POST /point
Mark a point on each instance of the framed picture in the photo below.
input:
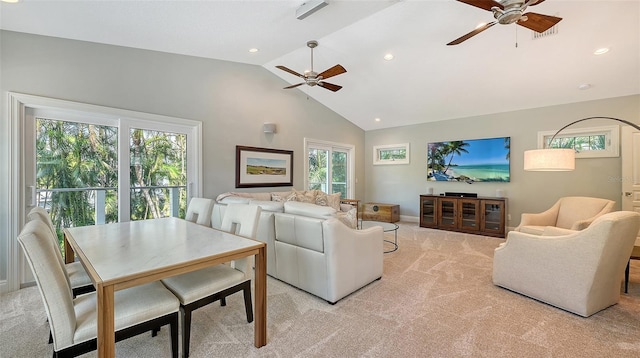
(257, 167)
(391, 154)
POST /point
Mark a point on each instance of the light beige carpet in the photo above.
(436, 299)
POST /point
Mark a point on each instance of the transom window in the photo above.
(595, 142)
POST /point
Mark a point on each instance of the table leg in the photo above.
(105, 321)
(260, 286)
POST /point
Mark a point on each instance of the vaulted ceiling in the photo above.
(501, 69)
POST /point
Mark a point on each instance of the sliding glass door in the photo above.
(329, 167)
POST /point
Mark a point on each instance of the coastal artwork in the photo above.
(477, 160)
(259, 167)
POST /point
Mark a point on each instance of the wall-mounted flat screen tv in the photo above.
(477, 160)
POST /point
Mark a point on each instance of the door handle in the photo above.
(628, 193)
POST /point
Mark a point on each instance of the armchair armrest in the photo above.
(545, 218)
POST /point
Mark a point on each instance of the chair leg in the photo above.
(173, 327)
(154, 332)
(186, 330)
(248, 306)
(626, 277)
(223, 301)
(51, 336)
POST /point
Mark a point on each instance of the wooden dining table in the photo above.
(122, 255)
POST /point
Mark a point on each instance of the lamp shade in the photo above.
(550, 160)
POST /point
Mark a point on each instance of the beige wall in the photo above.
(527, 191)
(232, 100)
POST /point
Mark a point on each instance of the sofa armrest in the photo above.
(354, 257)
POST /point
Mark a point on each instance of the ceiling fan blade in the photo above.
(483, 4)
(539, 22)
(471, 34)
(536, 2)
(294, 86)
(329, 86)
(333, 71)
(290, 71)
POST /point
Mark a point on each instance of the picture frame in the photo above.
(391, 154)
(263, 167)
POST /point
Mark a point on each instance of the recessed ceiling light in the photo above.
(377, 119)
(253, 50)
(11, 1)
(601, 51)
(584, 86)
(388, 57)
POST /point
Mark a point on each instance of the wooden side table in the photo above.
(635, 255)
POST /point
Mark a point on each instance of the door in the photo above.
(631, 170)
(329, 167)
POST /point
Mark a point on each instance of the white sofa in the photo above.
(310, 248)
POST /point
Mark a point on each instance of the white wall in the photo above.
(527, 191)
(232, 100)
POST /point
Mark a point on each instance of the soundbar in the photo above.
(463, 195)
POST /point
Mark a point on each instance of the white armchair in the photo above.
(571, 212)
(580, 272)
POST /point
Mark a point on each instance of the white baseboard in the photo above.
(411, 219)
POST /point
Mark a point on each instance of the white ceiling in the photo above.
(427, 81)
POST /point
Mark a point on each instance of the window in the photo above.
(391, 154)
(595, 142)
(329, 167)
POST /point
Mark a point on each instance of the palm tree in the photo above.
(454, 148)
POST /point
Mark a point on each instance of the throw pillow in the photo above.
(348, 218)
(282, 197)
(333, 200)
(306, 196)
(321, 199)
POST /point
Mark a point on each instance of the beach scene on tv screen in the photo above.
(477, 160)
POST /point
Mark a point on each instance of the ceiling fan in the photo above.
(312, 78)
(508, 12)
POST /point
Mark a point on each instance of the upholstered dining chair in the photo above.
(199, 211)
(78, 278)
(73, 320)
(199, 288)
(579, 272)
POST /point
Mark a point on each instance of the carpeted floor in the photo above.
(435, 299)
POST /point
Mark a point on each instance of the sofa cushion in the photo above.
(307, 209)
(269, 205)
(235, 200)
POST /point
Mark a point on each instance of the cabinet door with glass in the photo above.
(447, 213)
(469, 218)
(428, 211)
(493, 216)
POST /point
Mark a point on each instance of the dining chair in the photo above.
(73, 321)
(199, 211)
(78, 278)
(200, 288)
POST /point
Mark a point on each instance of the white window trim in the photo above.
(351, 168)
(19, 104)
(612, 140)
(378, 148)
